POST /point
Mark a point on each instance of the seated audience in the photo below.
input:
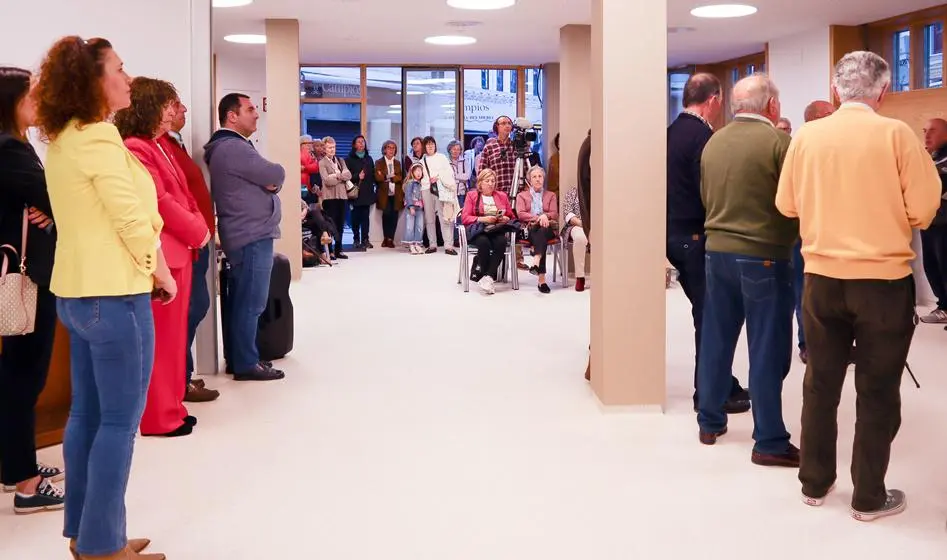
(153, 106)
(538, 211)
(749, 271)
(858, 182)
(414, 215)
(25, 358)
(486, 215)
(389, 176)
(335, 174)
(573, 232)
(108, 261)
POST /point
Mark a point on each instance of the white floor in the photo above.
(414, 424)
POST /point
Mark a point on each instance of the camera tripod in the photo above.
(520, 172)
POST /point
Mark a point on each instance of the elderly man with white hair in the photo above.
(858, 182)
(749, 272)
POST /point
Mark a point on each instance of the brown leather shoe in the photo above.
(588, 372)
(710, 438)
(200, 394)
(134, 545)
(199, 383)
(789, 459)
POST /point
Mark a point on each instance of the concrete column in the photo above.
(629, 122)
(575, 97)
(282, 93)
(201, 124)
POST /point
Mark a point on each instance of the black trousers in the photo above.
(687, 255)
(934, 251)
(24, 363)
(335, 209)
(389, 219)
(490, 248)
(539, 238)
(361, 222)
(879, 316)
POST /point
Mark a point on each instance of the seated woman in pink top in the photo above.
(153, 107)
(538, 211)
(486, 217)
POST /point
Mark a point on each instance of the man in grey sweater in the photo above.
(244, 187)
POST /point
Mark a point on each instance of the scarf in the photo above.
(537, 208)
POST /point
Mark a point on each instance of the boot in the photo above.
(134, 545)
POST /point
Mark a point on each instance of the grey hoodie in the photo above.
(246, 210)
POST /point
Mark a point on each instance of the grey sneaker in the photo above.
(816, 502)
(894, 505)
(935, 317)
(48, 497)
(47, 472)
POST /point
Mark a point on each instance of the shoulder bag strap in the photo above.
(424, 160)
(26, 223)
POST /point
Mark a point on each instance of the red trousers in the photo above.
(164, 409)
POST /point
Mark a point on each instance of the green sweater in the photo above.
(739, 174)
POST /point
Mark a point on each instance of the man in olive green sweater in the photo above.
(749, 270)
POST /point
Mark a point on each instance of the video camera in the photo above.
(524, 132)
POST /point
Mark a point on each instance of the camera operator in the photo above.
(499, 155)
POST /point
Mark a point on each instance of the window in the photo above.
(734, 76)
(750, 69)
(763, 68)
(534, 95)
(676, 82)
(537, 77)
(383, 107)
(482, 106)
(484, 79)
(513, 77)
(902, 61)
(499, 80)
(330, 82)
(933, 62)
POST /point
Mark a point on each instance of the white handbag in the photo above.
(17, 291)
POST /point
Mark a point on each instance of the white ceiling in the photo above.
(381, 31)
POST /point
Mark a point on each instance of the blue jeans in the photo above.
(798, 280)
(759, 292)
(111, 340)
(413, 226)
(198, 307)
(251, 267)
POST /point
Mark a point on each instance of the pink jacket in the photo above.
(472, 209)
(524, 204)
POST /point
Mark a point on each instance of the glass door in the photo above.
(429, 99)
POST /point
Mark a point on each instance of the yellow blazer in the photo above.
(106, 211)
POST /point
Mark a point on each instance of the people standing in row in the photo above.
(308, 167)
(414, 210)
(245, 188)
(148, 118)
(25, 358)
(859, 183)
(472, 155)
(389, 177)
(335, 197)
(462, 171)
(439, 175)
(749, 276)
(173, 145)
(362, 166)
(108, 261)
(814, 111)
(686, 237)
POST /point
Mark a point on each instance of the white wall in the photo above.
(800, 66)
(245, 75)
(169, 59)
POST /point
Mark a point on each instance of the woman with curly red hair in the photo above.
(152, 110)
(108, 261)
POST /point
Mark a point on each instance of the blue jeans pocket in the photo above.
(757, 279)
(81, 313)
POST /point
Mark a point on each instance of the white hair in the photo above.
(752, 94)
(861, 75)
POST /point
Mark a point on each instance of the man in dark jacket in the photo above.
(244, 186)
(934, 238)
(686, 138)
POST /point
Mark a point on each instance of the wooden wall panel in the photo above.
(916, 107)
(52, 410)
(844, 39)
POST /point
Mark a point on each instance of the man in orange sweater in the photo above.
(859, 183)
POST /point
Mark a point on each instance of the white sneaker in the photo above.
(895, 504)
(937, 317)
(486, 285)
(816, 502)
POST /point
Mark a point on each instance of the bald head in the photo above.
(756, 94)
(935, 134)
(818, 110)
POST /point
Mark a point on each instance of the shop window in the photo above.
(933, 55)
(902, 61)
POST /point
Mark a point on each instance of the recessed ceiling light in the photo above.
(247, 39)
(480, 4)
(723, 11)
(450, 40)
(230, 3)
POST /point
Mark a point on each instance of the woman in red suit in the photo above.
(148, 118)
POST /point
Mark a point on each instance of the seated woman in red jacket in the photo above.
(148, 118)
(486, 215)
(538, 211)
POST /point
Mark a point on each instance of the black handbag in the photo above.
(434, 189)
